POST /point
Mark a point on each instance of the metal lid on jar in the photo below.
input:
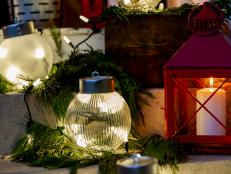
(137, 164)
(96, 84)
(136, 161)
(19, 28)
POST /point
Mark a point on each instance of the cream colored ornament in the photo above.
(140, 5)
(24, 54)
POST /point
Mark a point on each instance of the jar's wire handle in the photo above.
(95, 74)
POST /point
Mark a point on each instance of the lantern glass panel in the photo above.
(201, 106)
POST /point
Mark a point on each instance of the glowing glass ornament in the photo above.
(98, 117)
(139, 5)
(24, 54)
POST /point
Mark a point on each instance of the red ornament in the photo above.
(203, 123)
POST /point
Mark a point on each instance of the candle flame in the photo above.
(211, 82)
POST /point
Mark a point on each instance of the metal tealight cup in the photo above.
(137, 164)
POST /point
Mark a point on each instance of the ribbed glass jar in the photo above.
(98, 121)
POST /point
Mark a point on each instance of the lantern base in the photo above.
(206, 144)
(202, 164)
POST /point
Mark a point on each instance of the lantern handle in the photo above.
(205, 19)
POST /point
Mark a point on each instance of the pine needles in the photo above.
(5, 86)
(53, 149)
(62, 83)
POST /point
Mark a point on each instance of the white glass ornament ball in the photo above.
(26, 56)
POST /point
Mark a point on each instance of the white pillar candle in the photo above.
(205, 123)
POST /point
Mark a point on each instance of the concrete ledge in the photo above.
(13, 120)
(9, 167)
(14, 117)
(196, 164)
(203, 164)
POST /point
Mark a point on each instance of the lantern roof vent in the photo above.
(208, 47)
(206, 19)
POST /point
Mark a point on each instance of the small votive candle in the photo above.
(137, 164)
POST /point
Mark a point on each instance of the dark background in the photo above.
(4, 13)
(69, 13)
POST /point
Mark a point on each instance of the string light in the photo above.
(68, 41)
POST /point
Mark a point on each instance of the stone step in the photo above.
(203, 164)
(13, 120)
(9, 167)
(14, 117)
(196, 164)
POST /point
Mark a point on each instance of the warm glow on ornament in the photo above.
(140, 5)
(11, 73)
(3, 53)
(39, 53)
(24, 54)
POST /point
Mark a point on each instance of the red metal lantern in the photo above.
(198, 112)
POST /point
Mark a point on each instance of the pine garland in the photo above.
(5, 86)
(53, 149)
(62, 83)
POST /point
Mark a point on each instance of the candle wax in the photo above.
(206, 124)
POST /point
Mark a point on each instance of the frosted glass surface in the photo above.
(99, 121)
(28, 56)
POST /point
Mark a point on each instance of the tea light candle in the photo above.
(205, 123)
(137, 164)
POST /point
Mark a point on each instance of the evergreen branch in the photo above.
(52, 149)
(5, 86)
(56, 35)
